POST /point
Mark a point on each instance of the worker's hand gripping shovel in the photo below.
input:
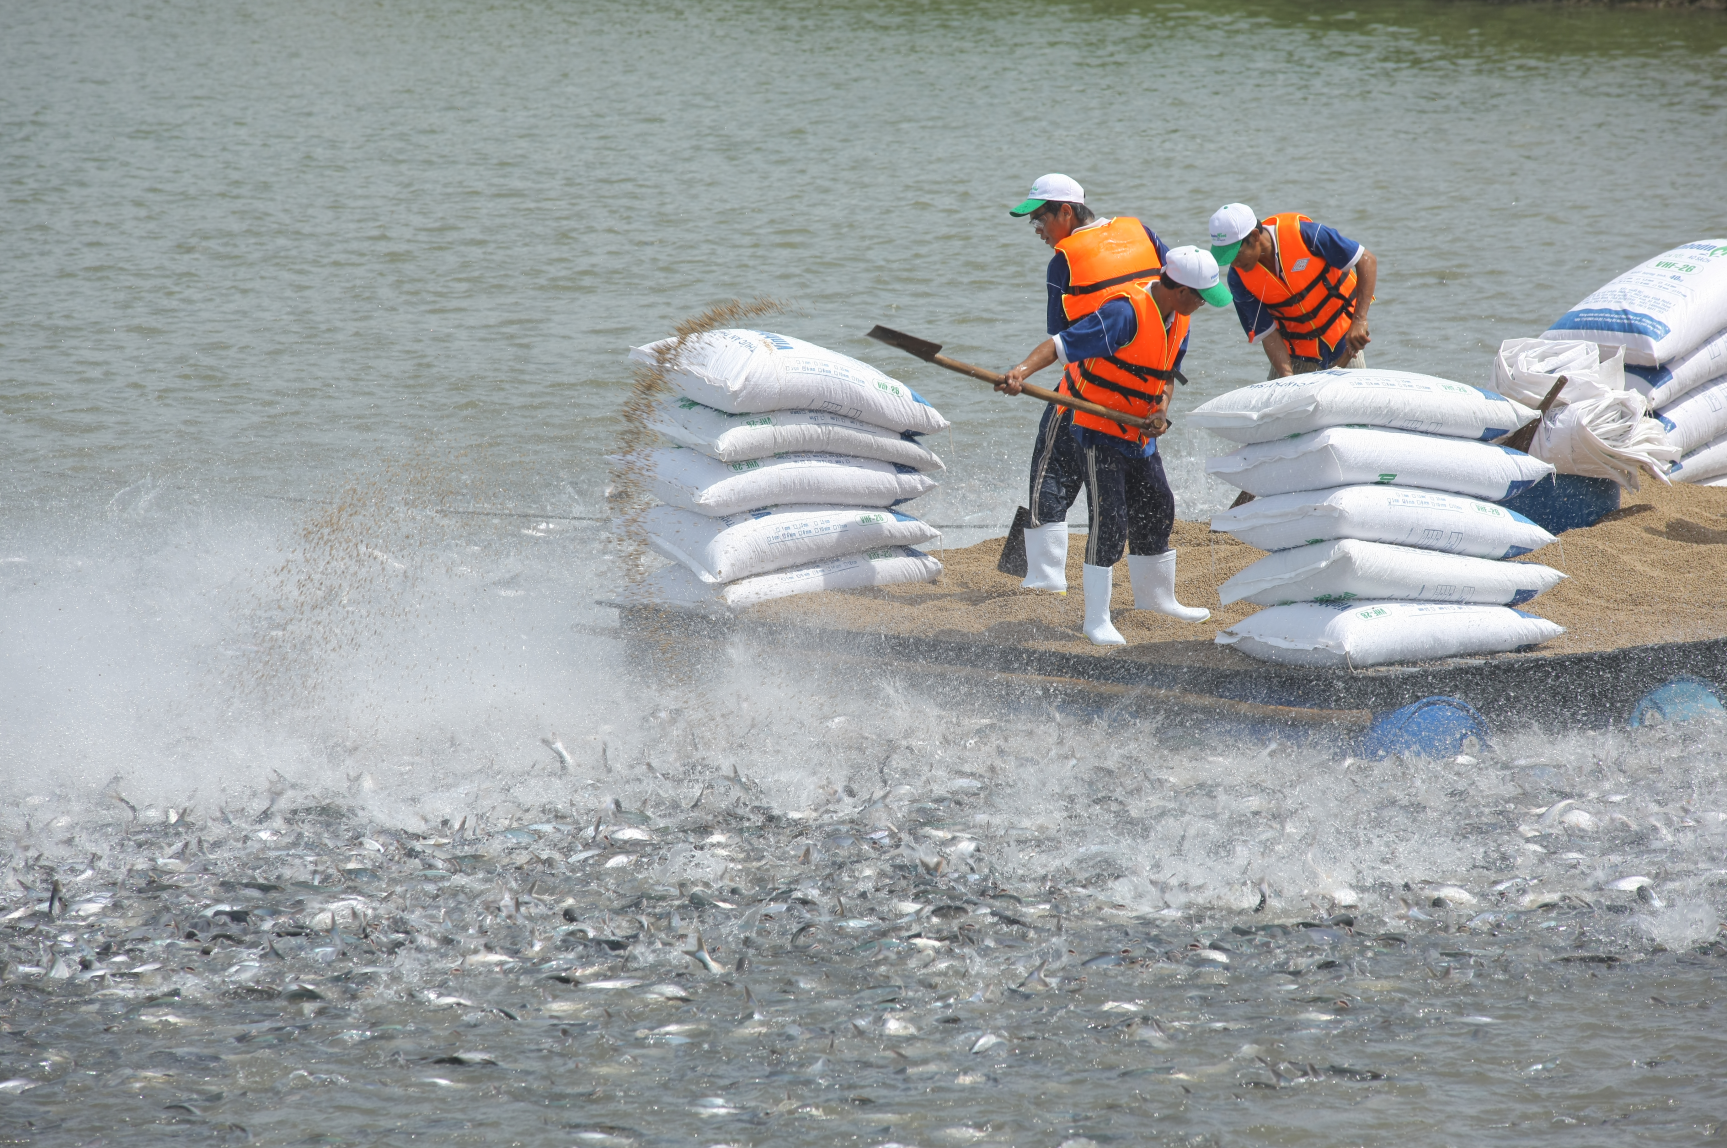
(1013, 560)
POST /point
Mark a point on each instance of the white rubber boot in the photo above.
(1153, 578)
(1098, 627)
(1046, 557)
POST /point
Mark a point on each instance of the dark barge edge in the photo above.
(1592, 690)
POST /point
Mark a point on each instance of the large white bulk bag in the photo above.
(1348, 568)
(1400, 515)
(1401, 400)
(706, 485)
(735, 370)
(739, 545)
(1702, 465)
(677, 585)
(735, 438)
(1526, 369)
(1375, 633)
(1697, 418)
(1658, 310)
(1663, 384)
(1350, 456)
(1608, 436)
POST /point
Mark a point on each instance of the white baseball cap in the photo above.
(1056, 187)
(1230, 224)
(1191, 267)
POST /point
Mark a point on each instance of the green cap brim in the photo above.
(1218, 295)
(1225, 255)
(1027, 207)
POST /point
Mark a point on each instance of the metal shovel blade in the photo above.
(922, 348)
(1013, 560)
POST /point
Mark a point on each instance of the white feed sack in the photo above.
(1526, 369)
(1401, 400)
(1703, 465)
(678, 586)
(706, 485)
(1350, 456)
(1697, 418)
(736, 438)
(1400, 515)
(1377, 633)
(736, 371)
(1659, 310)
(1348, 568)
(759, 541)
(1663, 384)
(1605, 437)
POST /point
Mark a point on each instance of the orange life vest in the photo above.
(1134, 379)
(1103, 260)
(1311, 300)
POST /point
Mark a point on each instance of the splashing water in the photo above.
(769, 900)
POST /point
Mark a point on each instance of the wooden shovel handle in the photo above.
(1155, 422)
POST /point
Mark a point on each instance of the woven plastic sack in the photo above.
(1401, 400)
(1526, 369)
(678, 586)
(1348, 568)
(1608, 436)
(735, 370)
(1378, 633)
(1351, 456)
(1659, 310)
(706, 485)
(1696, 418)
(1400, 515)
(737, 438)
(759, 541)
(1703, 465)
(1665, 384)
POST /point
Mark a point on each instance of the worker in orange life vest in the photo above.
(1123, 355)
(1094, 258)
(1303, 279)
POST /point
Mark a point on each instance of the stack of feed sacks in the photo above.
(1670, 315)
(1374, 491)
(781, 471)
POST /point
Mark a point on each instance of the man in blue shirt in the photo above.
(1302, 278)
(1061, 219)
(1130, 349)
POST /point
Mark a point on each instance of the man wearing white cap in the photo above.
(1092, 258)
(1303, 279)
(1123, 355)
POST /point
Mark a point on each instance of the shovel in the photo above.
(1524, 436)
(931, 353)
(1013, 558)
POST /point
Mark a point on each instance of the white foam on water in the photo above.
(405, 665)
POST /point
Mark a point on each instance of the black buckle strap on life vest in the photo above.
(1281, 311)
(1138, 371)
(1091, 378)
(1116, 281)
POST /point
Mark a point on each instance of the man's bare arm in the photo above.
(1041, 356)
(1278, 352)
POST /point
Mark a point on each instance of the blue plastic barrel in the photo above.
(1684, 698)
(1431, 727)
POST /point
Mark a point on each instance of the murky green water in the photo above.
(287, 288)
